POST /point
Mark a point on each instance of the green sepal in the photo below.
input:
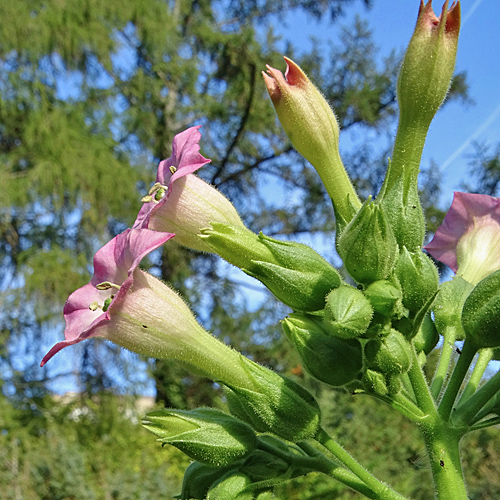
(348, 312)
(374, 381)
(427, 336)
(293, 272)
(207, 435)
(277, 404)
(331, 360)
(367, 245)
(261, 466)
(481, 313)
(402, 207)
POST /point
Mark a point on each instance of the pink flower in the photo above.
(468, 240)
(185, 159)
(182, 203)
(89, 310)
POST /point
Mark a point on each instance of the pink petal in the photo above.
(186, 159)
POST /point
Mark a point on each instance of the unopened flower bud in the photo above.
(423, 82)
(347, 312)
(205, 434)
(428, 64)
(390, 355)
(329, 359)
(481, 313)
(312, 128)
(367, 245)
(385, 298)
(418, 277)
(293, 272)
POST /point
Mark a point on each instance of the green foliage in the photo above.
(83, 449)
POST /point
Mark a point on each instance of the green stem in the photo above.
(407, 152)
(382, 491)
(444, 362)
(483, 359)
(485, 423)
(442, 444)
(404, 405)
(459, 373)
(468, 410)
(420, 387)
(332, 469)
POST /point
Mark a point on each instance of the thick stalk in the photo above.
(381, 490)
(442, 444)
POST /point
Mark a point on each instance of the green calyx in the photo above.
(274, 404)
(331, 360)
(481, 313)
(367, 245)
(205, 434)
(293, 272)
(390, 355)
(385, 298)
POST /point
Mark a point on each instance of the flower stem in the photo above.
(422, 392)
(334, 470)
(382, 491)
(459, 373)
(483, 359)
(468, 410)
(444, 362)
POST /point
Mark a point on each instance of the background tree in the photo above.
(92, 96)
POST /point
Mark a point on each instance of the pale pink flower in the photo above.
(468, 240)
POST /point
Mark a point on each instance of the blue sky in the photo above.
(457, 126)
